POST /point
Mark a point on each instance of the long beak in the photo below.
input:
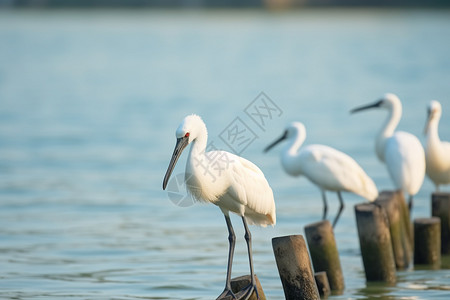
(364, 107)
(179, 147)
(281, 138)
(427, 124)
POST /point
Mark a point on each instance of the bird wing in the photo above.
(405, 161)
(442, 155)
(446, 147)
(438, 162)
(446, 161)
(249, 187)
(336, 171)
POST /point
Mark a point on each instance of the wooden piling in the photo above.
(294, 267)
(440, 207)
(427, 246)
(398, 226)
(324, 253)
(405, 216)
(323, 285)
(375, 243)
(240, 283)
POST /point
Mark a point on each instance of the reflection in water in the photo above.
(377, 290)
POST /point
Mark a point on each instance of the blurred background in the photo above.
(91, 93)
(223, 3)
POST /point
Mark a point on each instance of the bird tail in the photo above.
(260, 219)
(371, 191)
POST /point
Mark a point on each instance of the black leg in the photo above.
(341, 208)
(227, 292)
(410, 204)
(325, 205)
(248, 239)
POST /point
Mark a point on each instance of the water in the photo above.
(90, 100)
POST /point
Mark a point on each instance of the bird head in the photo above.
(388, 101)
(188, 130)
(291, 131)
(433, 113)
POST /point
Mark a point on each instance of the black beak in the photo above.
(364, 107)
(281, 138)
(179, 147)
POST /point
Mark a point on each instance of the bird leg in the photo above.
(252, 287)
(325, 205)
(341, 208)
(227, 292)
(410, 203)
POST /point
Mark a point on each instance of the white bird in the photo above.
(401, 151)
(437, 153)
(228, 181)
(328, 168)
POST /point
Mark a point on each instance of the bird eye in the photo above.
(187, 134)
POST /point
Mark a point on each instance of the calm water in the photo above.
(89, 104)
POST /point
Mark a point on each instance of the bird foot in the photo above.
(246, 293)
(227, 294)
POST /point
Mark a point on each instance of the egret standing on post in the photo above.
(401, 151)
(437, 152)
(328, 168)
(230, 182)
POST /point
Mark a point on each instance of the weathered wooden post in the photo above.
(375, 243)
(440, 207)
(427, 246)
(398, 227)
(294, 267)
(324, 253)
(240, 283)
(323, 285)
(405, 216)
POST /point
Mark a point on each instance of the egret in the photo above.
(326, 167)
(401, 151)
(228, 181)
(437, 152)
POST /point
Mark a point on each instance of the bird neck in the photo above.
(388, 128)
(197, 151)
(198, 147)
(291, 152)
(432, 132)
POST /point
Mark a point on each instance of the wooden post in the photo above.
(375, 243)
(323, 284)
(294, 267)
(324, 253)
(440, 207)
(405, 216)
(427, 246)
(398, 227)
(240, 283)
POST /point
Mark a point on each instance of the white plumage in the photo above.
(328, 168)
(401, 151)
(228, 181)
(437, 152)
